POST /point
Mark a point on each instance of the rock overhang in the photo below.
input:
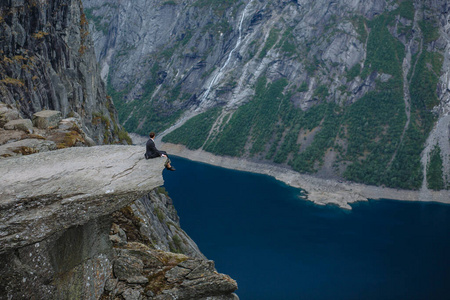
(44, 193)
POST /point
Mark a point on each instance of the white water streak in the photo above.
(189, 114)
(238, 43)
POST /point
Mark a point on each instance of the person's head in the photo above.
(152, 135)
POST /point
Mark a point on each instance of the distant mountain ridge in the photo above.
(355, 90)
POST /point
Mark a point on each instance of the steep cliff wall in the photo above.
(91, 223)
(346, 89)
(47, 62)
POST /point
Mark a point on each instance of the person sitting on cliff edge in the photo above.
(152, 152)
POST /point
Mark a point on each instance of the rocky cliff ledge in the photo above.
(93, 223)
(46, 192)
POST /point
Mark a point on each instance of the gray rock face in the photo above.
(127, 267)
(49, 63)
(46, 192)
(160, 219)
(73, 263)
(20, 124)
(214, 55)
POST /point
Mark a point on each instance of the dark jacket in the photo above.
(151, 151)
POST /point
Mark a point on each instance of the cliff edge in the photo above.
(45, 192)
(94, 223)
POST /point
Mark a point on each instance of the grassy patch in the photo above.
(270, 42)
(435, 174)
(195, 131)
(218, 6)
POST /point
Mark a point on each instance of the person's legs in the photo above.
(168, 164)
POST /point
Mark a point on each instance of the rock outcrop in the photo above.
(46, 192)
(92, 222)
(46, 132)
(155, 257)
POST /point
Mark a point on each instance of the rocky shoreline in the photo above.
(320, 191)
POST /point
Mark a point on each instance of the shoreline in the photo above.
(320, 191)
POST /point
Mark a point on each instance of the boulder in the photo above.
(8, 136)
(46, 119)
(198, 279)
(20, 124)
(132, 294)
(7, 113)
(169, 275)
(127, 266)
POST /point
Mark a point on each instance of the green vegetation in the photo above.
(219, 6)
(265, 106)
(429, 30)
(353, 72)
(162, 190)
(100, 117)
(159, 214)
(303, 87)
(259, 126)
(384, 52)
(287, 43)
(374, 125)
(99, 22)
(122, 134)
(321, 92)
(323, 140)
(435, 174)
(423, 98)
(406, 9)
(176, 246)
(270, 42)
(406, 169)
(231, 140)
(200, 125)
(423, 88)
(359, 24)
(376, 121)
(255, 118)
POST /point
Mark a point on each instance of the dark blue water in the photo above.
(277, 246)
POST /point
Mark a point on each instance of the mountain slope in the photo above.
(341, 89)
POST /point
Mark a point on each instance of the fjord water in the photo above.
(278, 246)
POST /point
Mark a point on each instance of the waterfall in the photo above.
(189, 114)
(238, 43)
